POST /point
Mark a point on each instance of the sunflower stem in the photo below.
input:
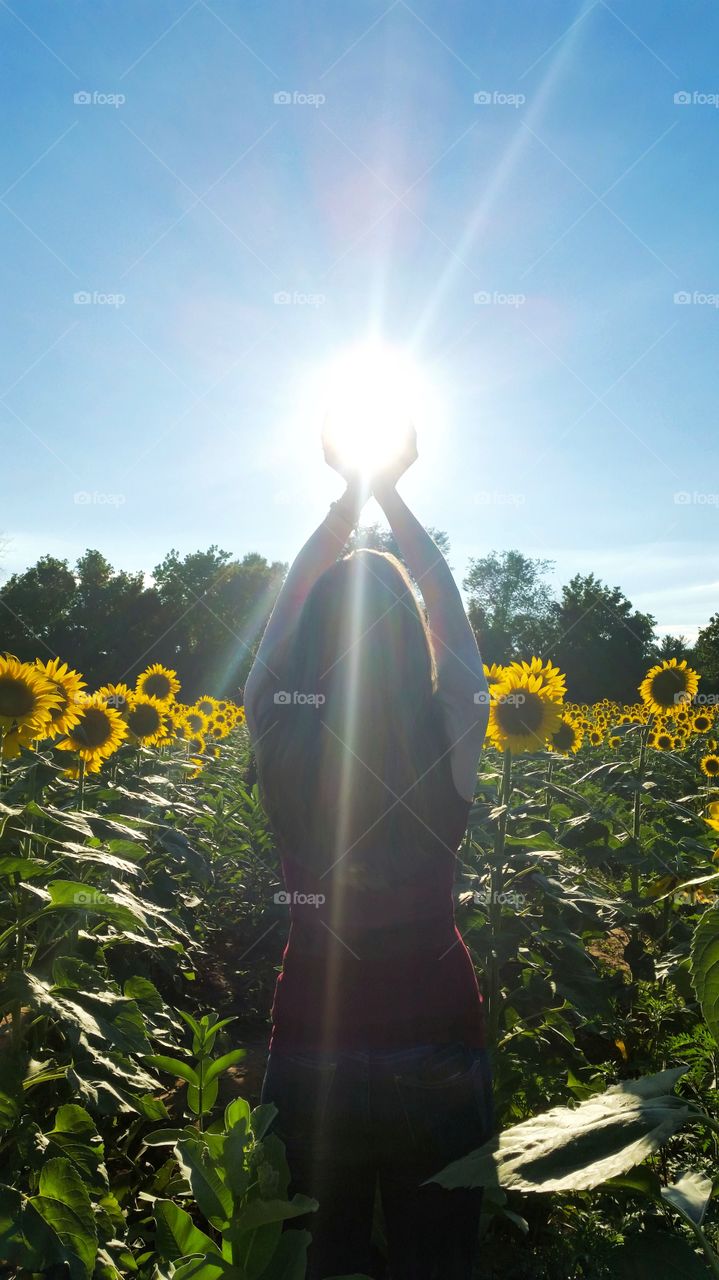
(548, 797)
(496, 881)
(81, 785)
(637, 813)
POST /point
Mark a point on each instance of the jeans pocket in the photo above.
(446, 1104)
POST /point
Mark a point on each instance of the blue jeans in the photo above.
(354, 1122)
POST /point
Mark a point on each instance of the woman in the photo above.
(367, 722)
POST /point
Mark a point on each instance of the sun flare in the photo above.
(370, 395)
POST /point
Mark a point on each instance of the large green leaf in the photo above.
(705, 968)
(65, 1205)
(210, 1192)
(259, 1212)
(177, 1236)
(289, 1261)
(576, 1148)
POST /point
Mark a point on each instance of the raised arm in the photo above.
(319, 552)
(462, 687)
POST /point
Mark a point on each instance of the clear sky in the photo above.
(576, 197)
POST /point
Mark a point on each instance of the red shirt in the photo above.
(379, 966)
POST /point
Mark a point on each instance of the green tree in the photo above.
(602, 643)
(705, 655)
(509, 604)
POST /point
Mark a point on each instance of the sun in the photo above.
(369, 395)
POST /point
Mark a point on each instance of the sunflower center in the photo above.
(93, 730)
(157, 685)
(667, 684)
(521, 712)
(144, 720)
(712, 766)
(16, 698)
(563, 739)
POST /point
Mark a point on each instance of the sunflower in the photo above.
(615, 740)
(206, 704)
(98, 732)
(116, 695)
(568, 737)
(662, 740)
(596, 737)
(193, 722)
(158, 682)
(27, 701)
(702, 722)
(553, 681)
(70, 687)
(709, 765)
(522, 715)
(493, 673)
(196, 746)
(146, 720)
(668, 685)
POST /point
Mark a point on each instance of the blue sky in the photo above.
(577, 398)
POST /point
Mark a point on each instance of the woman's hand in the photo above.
(334, 459)
(386, 477)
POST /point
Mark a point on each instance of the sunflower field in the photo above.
(140, 936)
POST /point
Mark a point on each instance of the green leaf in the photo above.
(166, 1137)
(261, 1119)
(689, 1195)
(705, 968)
(177, 1236)
(289, 1261)
(206, 1269)
(209, 1096)
(174, 1066)
(259, 1212)
(63, 1202)
(577, 1148)
(221, 1064)
(210, 1192)
(236, 1112)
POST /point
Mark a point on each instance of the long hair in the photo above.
(354, 751)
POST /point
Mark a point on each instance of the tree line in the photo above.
(203, 614)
